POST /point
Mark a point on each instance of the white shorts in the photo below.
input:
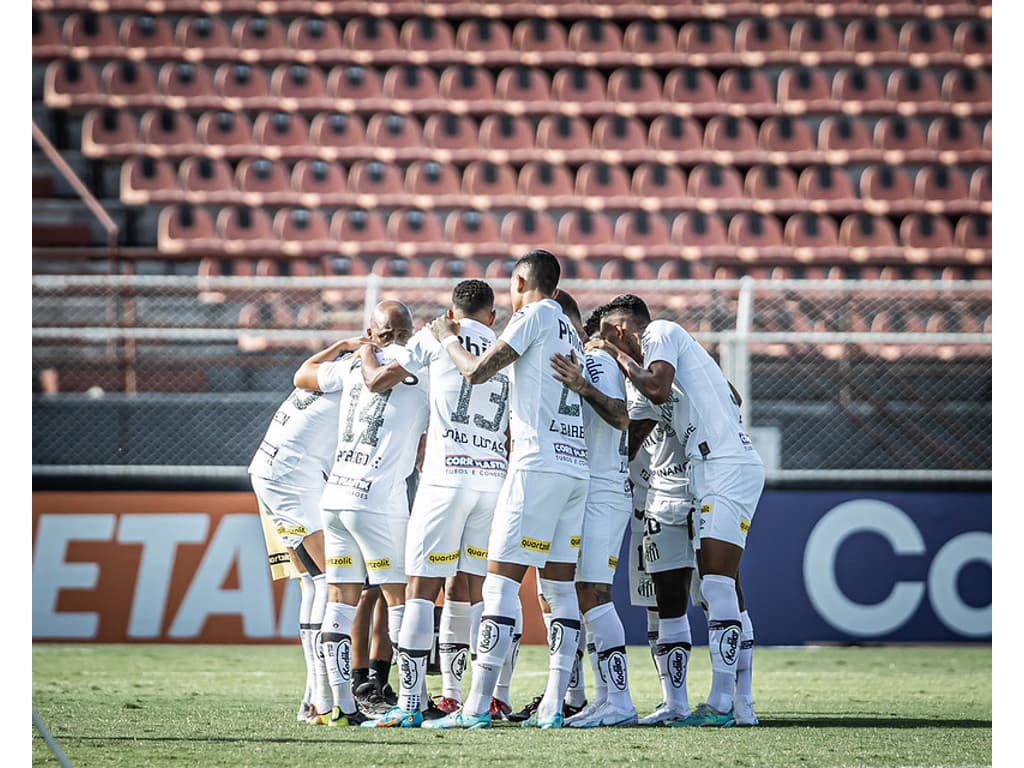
(539, 519)
(605, 518)
(728, 495)
(364, 545)
(668, 546)
(641, 586)
(448, 531)
(295, 511)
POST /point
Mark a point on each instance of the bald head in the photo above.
(390, 323)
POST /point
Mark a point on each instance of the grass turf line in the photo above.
(211, 706)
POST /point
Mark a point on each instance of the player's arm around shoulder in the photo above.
(476, 369)
(380, 377)
(587, 385)
(308, 374)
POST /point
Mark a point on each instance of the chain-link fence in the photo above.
(839, 379)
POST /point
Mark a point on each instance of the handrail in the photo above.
(72, 178)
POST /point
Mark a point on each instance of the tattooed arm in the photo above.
(475, 368)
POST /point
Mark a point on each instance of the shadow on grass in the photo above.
(874, 721)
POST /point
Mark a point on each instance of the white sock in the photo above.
(745, 662)
(336, 640)
(497, 624)
(576, 693)
(600, 684)
(414, 641)
(475, 612)
(672, 658)
(605, 627)
(563, 642)
(502, 690)
(723, 638)
(322, 696)
(453, 646)
(307, 631)
(395, 614)
(652, 630)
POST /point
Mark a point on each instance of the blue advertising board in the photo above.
(858, 567)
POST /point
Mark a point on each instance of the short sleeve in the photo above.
(330, 377)
(660, 344)
(603, 373)
(522, 330)
(640, 408)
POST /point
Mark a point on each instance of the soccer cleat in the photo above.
(447, 704)
(555, 721)
(663, 714)
(603, 715)
(304, 713)
(527, 712)
(319, 718)
(459, 719)
(704, 716)
(372, 700)
(396, 718)
(568, 710)
(743, 714)
(341, 719)
(434, 712)
(499, 709)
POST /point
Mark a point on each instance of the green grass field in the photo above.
(235, 706)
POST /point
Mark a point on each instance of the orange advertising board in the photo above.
(184, 567)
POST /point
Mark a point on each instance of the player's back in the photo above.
(607, 446)
(466, 437)
(546, 416)
(378, 435)
(298, 447)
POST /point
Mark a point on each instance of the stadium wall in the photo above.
(825, 565)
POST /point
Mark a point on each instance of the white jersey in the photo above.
(714, 415)
(607, 449)
(547, 417)
(378, 435)
(466, 438)
(298, 447)
(667, 471)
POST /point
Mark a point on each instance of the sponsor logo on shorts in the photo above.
(439, 558)
(744, 525)
(292, 530)
(464, 461)
(479, 554)
(574, 541)
(705, 509)
(380, 564)
(359, 486)
(570, 454)
(612, 562)
(340, 562)
(535, 545)
(278, 558)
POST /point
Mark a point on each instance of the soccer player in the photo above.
(601, 385)
(728, 478)
(287, 475)
(539, 517)
(464, 466)
(365, 504)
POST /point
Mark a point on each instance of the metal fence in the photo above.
(841, 380)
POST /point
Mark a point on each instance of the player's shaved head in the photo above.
(390, 323)
(540, 270)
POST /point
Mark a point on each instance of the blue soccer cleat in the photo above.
(396, 717)
(704, 716)
(459, 719)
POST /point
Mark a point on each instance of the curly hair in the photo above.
(472, 296)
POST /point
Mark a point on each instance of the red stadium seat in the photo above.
(788, 135)
(489, 183)
(47, 40)
(460, 268)
(523, 85)
(602, 180)
(462, 82)
(353, 229)
(695, 87)
(755, 231)
(303, 231)
(259, 36)
(426, 34)
(351, 82)
(371, 177)
(772, 184)
(634, 85)
(621, 269)
(147, 36)
(825, 184)
(305, 85)
(282, 133)
(802, 89)
(506, 132)
(871, 36)
(675, 133)
(748, 87)
(435, 181)
(861, 231)
(595, 36)
(171, 130)
(585, 228)
(860, 89)
(816, 36)
(645, 235)
(563, 132)
(186, 227)
(698, 230)
(394, 131)
(208, 180)
(245, 230)
(619, 133)
(482, 36)
(926, 231)
(207, 36)
(187, 84)
(882, 186)
(230, 132)
(973, 38)
(319, 183)
(895, 133)
(451, 132)
(314, 38)
(729, 133)
(546, 181)
(473, 232)
(925, 36)
(133, 81)
(666, 182)
(539, 35)
(91, 32)
(954, 135)
(579, 85)
(841, 133)
(337, 131)
(526, 228)
(242, 81)
(649, 37)
(913, 89)
(703, 36)
(414, 230)
(974, 232)
(970, 87)
(109, 132)
(409, 82)
(146, 180)
(371, 33)
(811, 231)
(390, 266)
(937, 185)
(264, 182)
(761, 35)
(719, 183)
(981, 185)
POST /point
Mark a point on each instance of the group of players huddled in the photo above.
(542, 446)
